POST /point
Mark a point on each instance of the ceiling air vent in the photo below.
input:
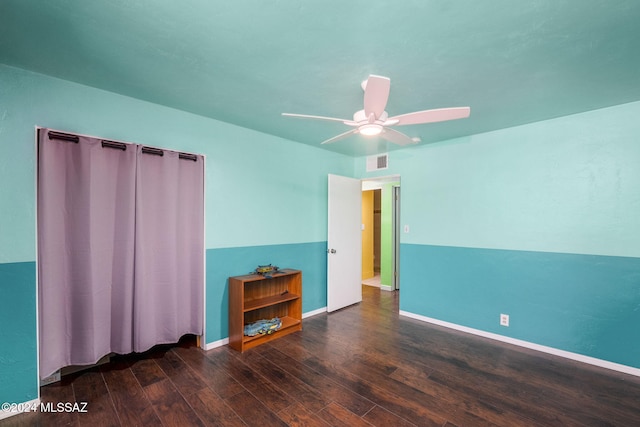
(377, 162)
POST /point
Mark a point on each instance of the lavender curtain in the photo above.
(120, 250)
(169, 250)
(86, 207)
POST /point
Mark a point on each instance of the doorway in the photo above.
(381, 232)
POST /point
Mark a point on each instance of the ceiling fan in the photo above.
(374, 120)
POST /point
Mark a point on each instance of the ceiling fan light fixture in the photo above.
(373, 120)
(370, 129)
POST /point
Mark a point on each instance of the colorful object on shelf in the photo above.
(263, 327)
(266, 270)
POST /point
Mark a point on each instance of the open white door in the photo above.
(344, 243)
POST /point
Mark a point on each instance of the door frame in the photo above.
(377, 183)
(395, 238)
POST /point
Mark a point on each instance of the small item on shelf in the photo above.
(266, 270)
(263, 327)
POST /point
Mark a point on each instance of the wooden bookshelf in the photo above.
(254, 297)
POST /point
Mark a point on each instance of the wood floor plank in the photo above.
(290, 384)
(263, 390)
(89, 384)
(30, 419)
(185, 380)
(170, 406)
(336, 415)
(381, 418)
(147, 371)
(412, 410)
(572, 387)
(252, 411)
(354, 402)
(129, 400)
(458, 406)
(54, 394)
(100, 412)
(211, 373)
(297, 415)
(212, 410)
(89, 387)
(495, 398)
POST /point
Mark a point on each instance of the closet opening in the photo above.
(120, 249)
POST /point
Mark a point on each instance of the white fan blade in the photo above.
(431, 116)
(333, 119)
(396, 137)
(376, 94)
(339, 137)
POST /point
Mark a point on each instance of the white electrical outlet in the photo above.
(504, 320)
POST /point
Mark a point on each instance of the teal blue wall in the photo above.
(584, 304)
(222, 263)
(18, 352)
(539, 222)
(264, 195)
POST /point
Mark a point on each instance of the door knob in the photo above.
(331, 251)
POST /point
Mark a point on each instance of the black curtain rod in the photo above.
(118, 145)
(63, 136)
(155, 151)
(112, 144)
(187, 156)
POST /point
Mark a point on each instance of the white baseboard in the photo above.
(314, 312)
(30, 406)
(216, 344)
(544, 349)
(387, 288)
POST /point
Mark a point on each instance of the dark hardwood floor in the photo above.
(361, 366)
